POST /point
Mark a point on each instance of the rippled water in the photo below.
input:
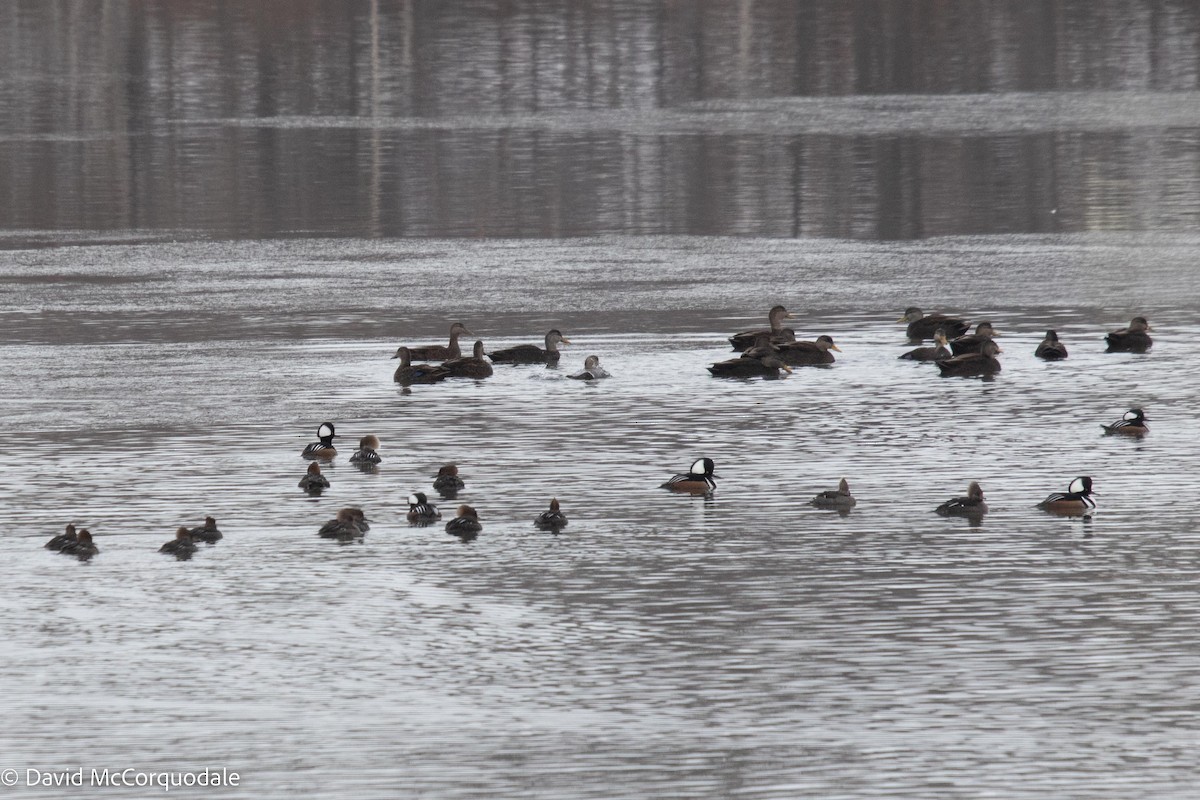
(661, 646)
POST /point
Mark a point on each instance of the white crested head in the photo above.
(325, 431)
(702, 466)
(1080, 485)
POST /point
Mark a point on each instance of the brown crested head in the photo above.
(183, 534)
(84, 536)
(467, 511)
(449, 469)
(210, 522)
(370, 441)
(314, 468)
(554, 504)
(345, 515)
(843, 486)
(70, 531)
(974, 491)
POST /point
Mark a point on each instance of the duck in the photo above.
(762, 347)
(743, 367)
(922, 326)
(420, 510)
(552, 519)
(182, 546)
(472, 366)
(939, 352)
(777, 333)
(973, 343)
(1075, 501)
(366, 454)
(970, 506)
(409, 373)
(1133, 339)
(969, 364)
(447, 480)
(592, 371)
(348, 524)
(835, 498)
(697, 480)
(63, 539)
(1050, 348)
(83, 547)
(313, 481)
(1132, 423)
(799, 354)
(465, 524)
(207, 532)
(531, 353)
(322, 449)
(438, 352)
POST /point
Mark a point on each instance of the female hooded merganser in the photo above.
(1076, 500)
(970, 506)
(531, 353)
(471, 367)
(322, 450)
(1051, 349)
(207, 532)
(420, 510)
(835, 498)
(447, 480)
(465, 524)
(437, 352)
(800, 354)
(1133, 339)
(744, 367)
(697, 480)
(408, 373)
(349, 524)
(313, 481)
(82, 548)
(777, 333)
(592, 371)
(922, 326)
(552, 519)
(63, 539)
(182, 546)
(1132, 423)
(365, 454)
(939, 352)
(969, 364)
(973, 343)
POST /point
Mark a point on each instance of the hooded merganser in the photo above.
(970, 506)
(970, 364)
(939, 352)
(438, 352)
(408, 373)
(835, 498)
(1076, 500)
(1132, 423)
(749, 367)
(531, 353)
(365, 454)
(323, 449)
(592, 371)
(420, 510)
(1133, 339)
(465, 524)
(552, 519)
(777, 334)
(447, 480)
(472, 366)
(1051, 349)
(973, 343)
(83, 547)
(349, 524)
(182, 546)
(800, 354)
(63, 539)
(207, 532)
(313, 481)
(697, 480)
(924, 326)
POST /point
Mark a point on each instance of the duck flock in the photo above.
(763, 352)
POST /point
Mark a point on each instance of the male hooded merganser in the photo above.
(973, 343)
(835, 498)
(1051, 349)
(365, 454)
(472, 366)
(743, 367)
(1133, 339)
(313, 481)
(800, 354)
(182, 546)
(1132, 423)
(924, 326)
(1076, 500)
(322, 450)
(408, 373)
(63, 539)
(970, 506)
(465, 524)
(939, 352)
(697, 480)
(970, 364)
(348, 524)
(777, 334)
(83, 547)
(592, 371)
(552, 519)
(447, 480)
(207, 532)
(531, 353)
(420, 510)
(438, 352)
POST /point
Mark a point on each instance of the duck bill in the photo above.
(565, 340)
(786, 368)
(835, 347)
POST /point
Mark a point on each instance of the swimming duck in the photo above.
(552, 519)
(365, 454)
(420, 510)
(1051, 349)
(313, 481)
(939, 352)
(63, 539)
(762, 347)
(182, 546)
(969, 364)
(465, 524)
(438, 352)
(409, 373)
(592, 371)
(697, 480)
(800, 354)
(973, 343)
(531, 353)
(323, 449)
(776, 333)
(1076, 500)
(349, 524)
(1133, 339)
(447, 480)
(1132, 423)
(922, 326)
(835, 498)
(970, 506)
(471, 367)
(742, 367)
(207, 532)
(83, 547)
